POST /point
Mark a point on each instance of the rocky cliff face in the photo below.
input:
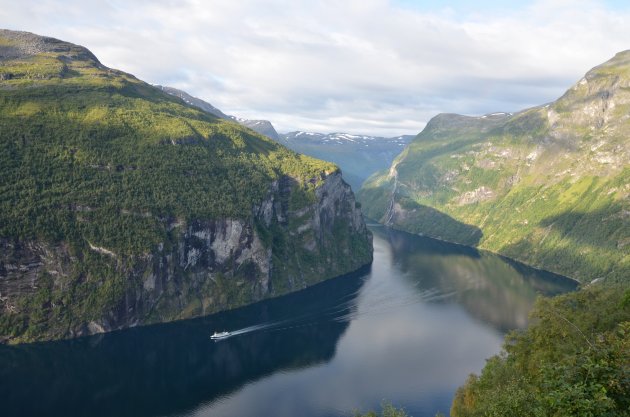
(205, 267)
(548, 186)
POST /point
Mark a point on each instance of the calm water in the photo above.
(409, 329)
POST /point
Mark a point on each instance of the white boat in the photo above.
(220, 335)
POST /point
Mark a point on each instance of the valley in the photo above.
(483, 268)
(548, 186)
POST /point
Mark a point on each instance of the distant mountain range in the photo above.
(358, 156)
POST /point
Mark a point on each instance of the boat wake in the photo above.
(375, 300)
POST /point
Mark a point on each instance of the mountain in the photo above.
(358, 156)
(548, 186)
(121, 205)
(194, 101)
(264, 127)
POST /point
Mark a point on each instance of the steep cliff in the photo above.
(549, 186)
(122, 206)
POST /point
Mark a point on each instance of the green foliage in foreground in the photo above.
(573, 360)
(387, 410)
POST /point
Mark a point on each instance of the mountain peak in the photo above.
(597, 100)
(447, 123)
(18, 45)
(193, 101)
(264, 127)
(619, 65)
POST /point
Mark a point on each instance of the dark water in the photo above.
(409, 329)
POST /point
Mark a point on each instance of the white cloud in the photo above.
(365, 66)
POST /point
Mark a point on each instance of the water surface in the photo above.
(408, 329)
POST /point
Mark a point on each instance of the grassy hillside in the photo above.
(549, 186)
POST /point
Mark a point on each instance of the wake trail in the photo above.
(297, 321)
(347, 308)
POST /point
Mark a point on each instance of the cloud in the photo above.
(369, 66)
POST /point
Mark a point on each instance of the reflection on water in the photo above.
(494, 289)
(410, 329)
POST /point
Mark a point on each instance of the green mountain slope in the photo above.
(122, 205)
(549, 186)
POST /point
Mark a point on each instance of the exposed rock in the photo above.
(475, 196)
(25, 44)
(213, 264)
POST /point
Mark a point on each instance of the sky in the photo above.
(377, 67)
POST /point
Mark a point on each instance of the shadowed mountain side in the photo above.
(119, 371)
(427, 221)
(529, 125)
(576, 264)
(613, 233)
(585, 245)
(396, 210)
(355, 166)
(403, 243)
(491, 288)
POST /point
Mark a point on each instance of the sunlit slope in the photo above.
(549, 186)
(84, 141)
